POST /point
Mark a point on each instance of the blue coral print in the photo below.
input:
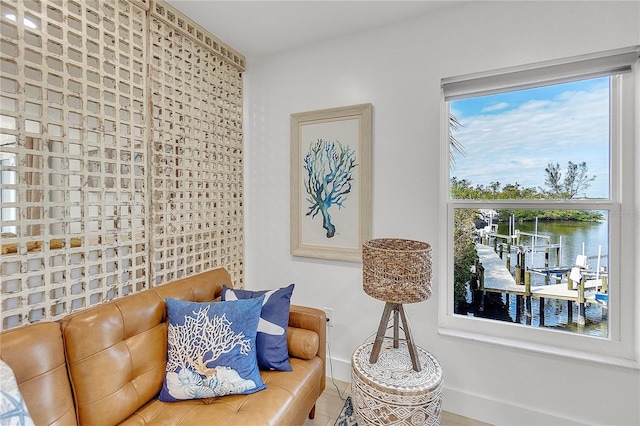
(211, 351)
(329, 176)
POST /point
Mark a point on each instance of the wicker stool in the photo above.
(391, 392)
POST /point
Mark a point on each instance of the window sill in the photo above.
(617, 361)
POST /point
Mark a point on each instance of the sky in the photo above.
(512, 137)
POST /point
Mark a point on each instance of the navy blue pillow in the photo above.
(273, 352)
(212, 349)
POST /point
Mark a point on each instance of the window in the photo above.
(535, 204)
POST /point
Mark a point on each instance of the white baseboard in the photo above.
(339, 369)
(470, 405)
(497, 412)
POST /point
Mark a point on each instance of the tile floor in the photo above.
(332, 399)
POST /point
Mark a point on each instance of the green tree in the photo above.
(463, 189)
(464, 222)
(455, 147)
(552, 178)
(576, 181)
(464, 251)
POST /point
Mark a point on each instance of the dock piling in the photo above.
(569, 311)
(482, 292)
(581, 300)
(527, 292)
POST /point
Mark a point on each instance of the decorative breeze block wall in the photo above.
(196, 154)
(120, 153)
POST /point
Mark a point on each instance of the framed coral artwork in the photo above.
(331, 182)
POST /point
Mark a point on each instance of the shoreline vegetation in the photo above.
(463, 189)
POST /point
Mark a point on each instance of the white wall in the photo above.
(398, 69)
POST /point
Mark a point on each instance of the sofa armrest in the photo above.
(315, 320)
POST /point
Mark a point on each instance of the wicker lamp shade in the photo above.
(396, 270)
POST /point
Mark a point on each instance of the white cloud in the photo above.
(495, 107)
(516, 145)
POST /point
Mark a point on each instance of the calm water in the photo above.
(577, 238)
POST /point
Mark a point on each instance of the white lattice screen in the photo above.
(113, 180)
(196, 156)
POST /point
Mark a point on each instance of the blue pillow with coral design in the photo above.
(211, 349)
(271, 342)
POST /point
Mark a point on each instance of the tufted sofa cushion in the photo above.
(284, 389)
(117, 351)
(36, 356)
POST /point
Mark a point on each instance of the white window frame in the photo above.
(620, 347)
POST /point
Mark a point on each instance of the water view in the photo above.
(551, 251)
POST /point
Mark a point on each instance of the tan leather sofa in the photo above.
(105, 365)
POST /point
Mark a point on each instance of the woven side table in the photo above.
(391, 392)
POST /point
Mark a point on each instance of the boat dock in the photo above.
(494, 276)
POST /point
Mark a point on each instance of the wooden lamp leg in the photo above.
(382, 329)
(413, 352)
(398, 311)
(396, 326)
